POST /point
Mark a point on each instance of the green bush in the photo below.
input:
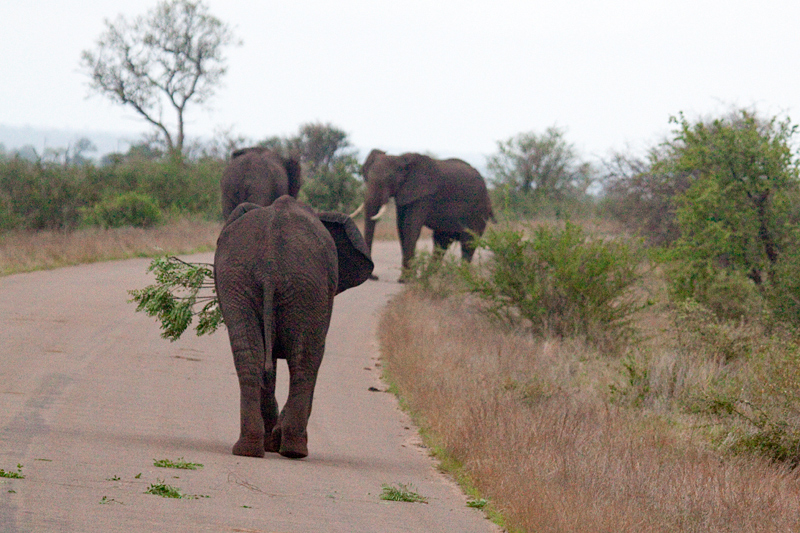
(40, 195)
(127, 209)
(561, 282)
(333, 189)
(738, 218)
(436, 275)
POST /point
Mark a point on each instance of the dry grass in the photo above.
(28, 251)
(531, 423)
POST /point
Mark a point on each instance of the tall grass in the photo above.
(25, 251)
(531, 426)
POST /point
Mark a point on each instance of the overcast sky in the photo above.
(442, 76)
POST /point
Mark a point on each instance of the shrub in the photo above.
(40, 195)
(560, 282)
(333, 188)
(436, 275)
(758, 407)
(127, 209)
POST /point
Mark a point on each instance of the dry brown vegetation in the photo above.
(534, 429)
(25, 251)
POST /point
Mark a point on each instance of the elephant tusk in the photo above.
(380, 213)
(358, 210)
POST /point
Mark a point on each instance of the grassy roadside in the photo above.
(528, 426)
(26, 251)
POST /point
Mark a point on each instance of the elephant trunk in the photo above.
(370, 212)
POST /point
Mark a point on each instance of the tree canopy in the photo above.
(738, 219)
(166, 59)
(545, 165)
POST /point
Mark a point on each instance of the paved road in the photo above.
(90, 396)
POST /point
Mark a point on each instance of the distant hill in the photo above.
(15, 137)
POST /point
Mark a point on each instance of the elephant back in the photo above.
(258, 175)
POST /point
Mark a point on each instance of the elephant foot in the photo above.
(294, 450)
(272, 443)
(249, 447)
(287, 446)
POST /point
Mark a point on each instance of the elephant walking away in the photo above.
(276, 270)
(258, 175)
(448, 196)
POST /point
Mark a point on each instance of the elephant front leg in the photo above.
(410, 219)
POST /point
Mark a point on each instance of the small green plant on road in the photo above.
(401, 493)
(477, 504)
(12, 475)
(159, 488)
(180, 463)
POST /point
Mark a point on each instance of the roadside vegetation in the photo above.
(637, 373)
(623, 354)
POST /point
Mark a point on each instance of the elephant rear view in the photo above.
(258, 175)
(276, 271)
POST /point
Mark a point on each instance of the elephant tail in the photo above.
(269, 331)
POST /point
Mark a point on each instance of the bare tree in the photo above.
(164, 60)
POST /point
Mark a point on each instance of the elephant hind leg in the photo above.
(467, 247)
(252, 357)
(442, 241)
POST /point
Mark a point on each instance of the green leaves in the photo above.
(178, 289)
(739, 214)
(561, 281)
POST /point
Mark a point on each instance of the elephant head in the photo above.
(260, 176)
(449, 196)
(276, 271)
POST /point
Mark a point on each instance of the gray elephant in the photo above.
(260, 176)
(276, 271)
(448, 196)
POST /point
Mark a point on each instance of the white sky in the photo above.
(443, 76)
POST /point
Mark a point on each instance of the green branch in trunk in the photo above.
(181, 292)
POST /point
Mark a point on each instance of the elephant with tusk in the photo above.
(448, 196)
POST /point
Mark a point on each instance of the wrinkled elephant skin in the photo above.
(277, 269)
(448, 196)
(258, 175)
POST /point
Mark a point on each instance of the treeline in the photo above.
(63, 189)
(719, 199)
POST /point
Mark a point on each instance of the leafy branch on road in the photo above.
(180, 287)
(180, 463)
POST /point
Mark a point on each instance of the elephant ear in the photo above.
(293, 172)
(420, 178)
(240, 210)
(355, 264)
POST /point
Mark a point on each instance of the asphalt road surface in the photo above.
(91, 396)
